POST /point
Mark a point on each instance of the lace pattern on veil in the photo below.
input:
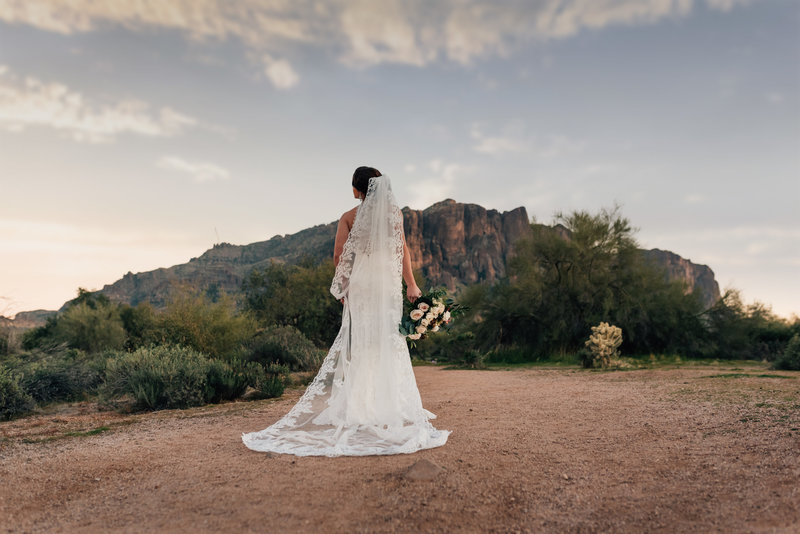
(364, 399)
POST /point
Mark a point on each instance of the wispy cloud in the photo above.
(514, 138)
(31, 102)
(362, 33)
(439, 181)
(280, 72)
(200, 172)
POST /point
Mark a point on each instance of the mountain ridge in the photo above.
(451, 243)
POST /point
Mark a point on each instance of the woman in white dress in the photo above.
(364, 399)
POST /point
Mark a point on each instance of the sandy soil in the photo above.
(532, 450)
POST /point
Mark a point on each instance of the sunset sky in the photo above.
(135, 135)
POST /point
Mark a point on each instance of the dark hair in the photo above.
(361, 178)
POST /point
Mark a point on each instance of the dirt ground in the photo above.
(691, 449)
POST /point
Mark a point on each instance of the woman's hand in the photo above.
(413, 293)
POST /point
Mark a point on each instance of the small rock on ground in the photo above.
(423, 470)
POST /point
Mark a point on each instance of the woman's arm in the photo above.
(412, 291)
(342, 231)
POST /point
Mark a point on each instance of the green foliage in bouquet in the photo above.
(432, 312)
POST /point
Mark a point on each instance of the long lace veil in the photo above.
(364, 399)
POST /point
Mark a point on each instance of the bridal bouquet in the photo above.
(431, 312)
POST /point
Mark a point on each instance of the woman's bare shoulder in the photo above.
(349, 216)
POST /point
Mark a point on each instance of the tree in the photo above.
(89, 328)
(585, 270)
(295, 295)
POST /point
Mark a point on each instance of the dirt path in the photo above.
(534, 450)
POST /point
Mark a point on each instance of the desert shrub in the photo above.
(474, 359)
(141, 325)
(158, 377)
(285, 345)
(89, 328)
(295, 295)
(509, 354)
(41, 336)
(213, 328)
(790, 360)
(5, 341)
(269, 381)
(452, 347)
(603, 345)
(229, 380)
(64, 376)
(14, 402)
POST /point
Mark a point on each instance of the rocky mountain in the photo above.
(25, 320)
(695, 276)
(451, 243)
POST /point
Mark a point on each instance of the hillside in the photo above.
(452, 243)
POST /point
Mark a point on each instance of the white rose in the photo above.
(439, 309)
(446, 316)
(416, 315)
(425, 322)
(421, 329)
(435, 328)
(414, 336)
(423, 306)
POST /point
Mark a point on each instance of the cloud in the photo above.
(31, 102)
(514, 138)
(361, 32)
(200, 172)
(280, 73)
(726, 5)
(439, 182)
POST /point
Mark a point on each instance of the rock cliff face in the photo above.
(25, 320)
(450, 242)
(453, 243)
(695, 276)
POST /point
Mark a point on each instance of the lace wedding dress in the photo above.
(364, 399)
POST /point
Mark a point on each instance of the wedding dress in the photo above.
(364, 399)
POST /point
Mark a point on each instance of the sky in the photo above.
(135, 135)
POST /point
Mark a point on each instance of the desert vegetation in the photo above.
(197, 350)
(564, 283)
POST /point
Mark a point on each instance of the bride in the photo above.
(364, 399)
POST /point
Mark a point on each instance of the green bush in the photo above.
(285, 345)
(213, 328)
(14, 402)
(790, 360)
(60, 377)
(172, 376)
(91, 328)
(474, 359)
(141, 325)
(229, 380)
(270, 381)
(295, 295)
(159, 377)
(5, 337)
(509, 354)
